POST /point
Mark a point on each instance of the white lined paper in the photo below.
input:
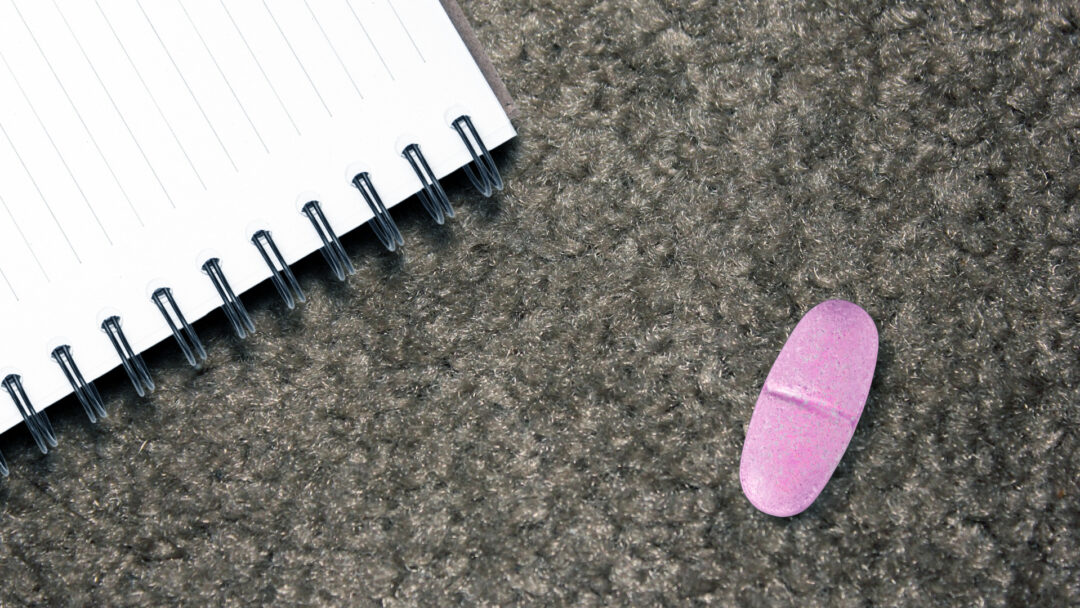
(258, 64)
(405, 29)
(136, 134)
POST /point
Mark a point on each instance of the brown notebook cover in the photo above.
(481, 58)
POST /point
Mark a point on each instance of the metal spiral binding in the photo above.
(38, 423)
(185, 335)
(86, 392)
(482, 172)
(432, 195)
(331, 250)
(233, 307)
(381, 223)
(132, 362)
(280, 274)
(486, 177)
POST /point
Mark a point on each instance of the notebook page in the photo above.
(138, 139)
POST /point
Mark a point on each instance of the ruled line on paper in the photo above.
(262, 70)
(63, 161)
(116, 108)
(22, 234)
(406, 30)
(223, 76)
(78, 114)
(43, 199)
(334, 49)
(6, 281)
(297, 57)
(187, 85)
(152, 97)
(370, 41)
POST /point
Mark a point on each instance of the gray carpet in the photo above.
(544, 403)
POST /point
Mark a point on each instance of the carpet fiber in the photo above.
(545, 401)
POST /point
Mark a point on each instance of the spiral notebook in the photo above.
(161, 158)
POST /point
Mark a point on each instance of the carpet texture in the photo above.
(545, 401)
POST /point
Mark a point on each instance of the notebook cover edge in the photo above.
(461, 23)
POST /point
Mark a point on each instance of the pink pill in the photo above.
(808, 408)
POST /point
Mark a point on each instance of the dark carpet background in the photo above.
(544, 402)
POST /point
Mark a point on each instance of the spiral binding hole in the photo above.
(85, 392)
(486, 176)
(4, 472)
(280, 274)
(432, 195)
(233, 307)
(331, 250)
(381, 223)
(132, 362)
(38, 423)
(182, 331)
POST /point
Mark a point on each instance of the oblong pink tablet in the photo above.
(808, 408)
